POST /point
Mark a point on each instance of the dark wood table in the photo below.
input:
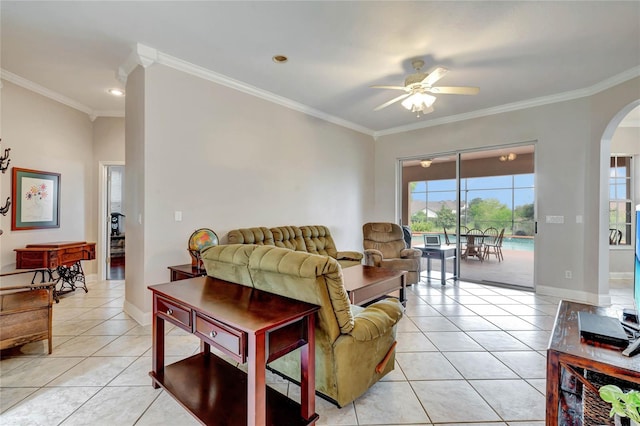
(183, 272)
(366, 283)
(442, 252)
(247, 325)
(567, 351)
(64, 257)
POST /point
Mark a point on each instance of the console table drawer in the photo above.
(227, 339)
(176, 314)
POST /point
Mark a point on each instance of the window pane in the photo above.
(442, 185)
(489, 182)
(526, 180)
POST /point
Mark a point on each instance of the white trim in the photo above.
(515, 106)
(103, 238)
(574, 295)
(621, 275)
(206, 74)
(41, 90)
(143, 318)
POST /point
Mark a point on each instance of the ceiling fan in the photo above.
(418, 86)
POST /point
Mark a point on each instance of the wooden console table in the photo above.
(367, 283)
(247, 325)
(568, 352)
(62, 256)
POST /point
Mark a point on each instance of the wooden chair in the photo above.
(495, 247)
(474, 246)
(490, 238)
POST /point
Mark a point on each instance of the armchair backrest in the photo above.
(229, 262)
(259, 236)
(386, 237)
(289, 237)
(307, 277)
(318, 240)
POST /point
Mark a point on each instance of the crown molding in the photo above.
(142, 55)
(34, 87)
(515, 106)
(152, 55)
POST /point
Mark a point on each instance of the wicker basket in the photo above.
(595, 410)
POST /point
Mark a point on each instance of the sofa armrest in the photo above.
(372, 257)
(410, 253)
(349, 255)
(376, 320)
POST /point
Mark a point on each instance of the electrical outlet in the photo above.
(568, 275)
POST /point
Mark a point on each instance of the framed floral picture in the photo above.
(36, 199)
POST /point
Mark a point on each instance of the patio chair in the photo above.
(615, 235)
(496, 247)
(446, 237)
(490, 238)
(474, 246)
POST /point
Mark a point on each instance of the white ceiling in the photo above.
(518, 53)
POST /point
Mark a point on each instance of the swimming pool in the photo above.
(508, 243)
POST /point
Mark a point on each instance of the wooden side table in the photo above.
(183, 272)
(569, 353)
(248, 325)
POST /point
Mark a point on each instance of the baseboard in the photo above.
(142, 318)
(574, 295)
(91, 278)
(621, 275)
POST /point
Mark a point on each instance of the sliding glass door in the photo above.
(482, 203)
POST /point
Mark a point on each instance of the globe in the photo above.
(202, 238)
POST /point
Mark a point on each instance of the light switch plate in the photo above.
(555, 219)
(177, 216)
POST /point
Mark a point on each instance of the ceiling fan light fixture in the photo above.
(279, 59)
(509, 157)
(426, 163)
(418, 102)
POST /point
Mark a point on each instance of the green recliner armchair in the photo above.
(355, 346)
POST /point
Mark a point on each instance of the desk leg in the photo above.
(429, 269)
(553, 385)
(403, 290)
(455, 266)
(256, 380)
(157, 335)
(443, 268)
(308, 371)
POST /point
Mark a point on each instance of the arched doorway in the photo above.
(607, 255)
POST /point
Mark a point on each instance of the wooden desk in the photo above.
(248, 325)
(443, 253)
(567, 351)
(366, 283)
(62, 256)
(183, 272)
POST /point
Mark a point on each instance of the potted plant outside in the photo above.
(623, 404)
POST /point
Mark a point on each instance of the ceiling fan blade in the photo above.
(389, 87)
(434, 76)
(452, 90)
(394, 100)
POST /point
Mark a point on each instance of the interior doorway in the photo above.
(115, 223)
(483, 203)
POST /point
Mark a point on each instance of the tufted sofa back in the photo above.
(260, 236)
(289, 237)
(318, 240)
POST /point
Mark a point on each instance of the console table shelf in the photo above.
(215, 392)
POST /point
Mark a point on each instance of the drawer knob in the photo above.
(169, 311)
(213, 334)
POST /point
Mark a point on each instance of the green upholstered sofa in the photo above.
(311, 239)
(355, 346)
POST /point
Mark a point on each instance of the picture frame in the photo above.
(36, 199)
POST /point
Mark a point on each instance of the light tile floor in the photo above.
(467, 354)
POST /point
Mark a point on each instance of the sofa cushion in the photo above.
(258, 235)
(289, 237)
(318, 240)
(229, 262)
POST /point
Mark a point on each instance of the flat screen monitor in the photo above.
(636, 267)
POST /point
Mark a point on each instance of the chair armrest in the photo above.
(349, 255)
(376, 320)
(410, 253)
(372, 257)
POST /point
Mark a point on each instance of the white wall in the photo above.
(568, 136)
(228, 160)
(626, 140)
(46, 135)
